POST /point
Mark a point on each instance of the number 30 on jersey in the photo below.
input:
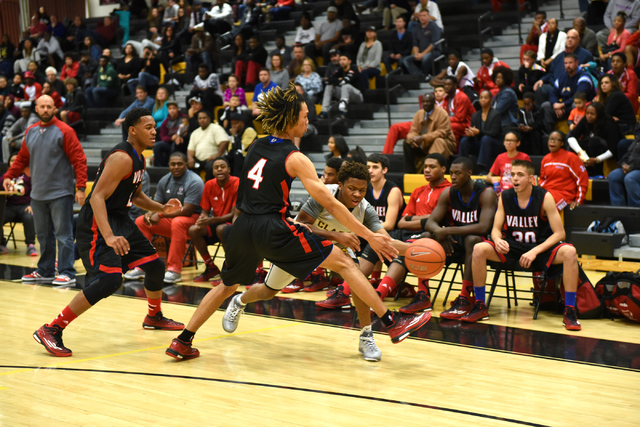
(255, 174)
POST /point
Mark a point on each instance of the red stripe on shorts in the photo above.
(143, 261)
(94, 240)
(555, 252)
(501, 256)
(299, 234)
(116, 270)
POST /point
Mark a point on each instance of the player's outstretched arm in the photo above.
(141, 200)
(346, 239)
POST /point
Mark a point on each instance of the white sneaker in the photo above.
(172, 277)
(135, 274)
(368, 348)
(232, 315)
(343, 106)
(64, 280)
(200, 26)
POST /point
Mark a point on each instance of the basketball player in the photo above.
(528, 232)
(470, 206)
(262, 230)
(108, 240)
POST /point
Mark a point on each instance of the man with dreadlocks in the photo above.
(263, 231)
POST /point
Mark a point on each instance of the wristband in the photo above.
(408, 217)
(423, 222)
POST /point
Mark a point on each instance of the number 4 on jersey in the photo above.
(255, 174)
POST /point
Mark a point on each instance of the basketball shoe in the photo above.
(232, 315)
(162, 323)
(421, 302)
(368, 348)
(259, 277)
(403, 326)
(181, 350)
(51, 339)
(570, 319)
(375, 282)
(335, 301)
(209, 273)
(318, 283)
(292, 287)
(479, 311)
(459, 307)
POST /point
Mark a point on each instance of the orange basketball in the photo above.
(425, 258)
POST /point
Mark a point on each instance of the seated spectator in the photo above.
(434, 14)
(285, 52)
(195, 106)
(75, 103)
(346, 11)
(306, 33)
(249, 22)
(92, 47)
(18, 209)
(295, 66)
(234, 89)
(70, 67)
(562, 174)
(501, 170)
(201, 51)
(424, 37)
(49, 47)
(616, 104)
(630, 8)
(430, 133)
(595, 138)
(181, 28)
(617, 40)
(580, 101)
(197, 15)
(279, 74)
(105, 87)
(337, 147)
(143, 100)
(10, 106)
(37, 28)
(105, 33)
(538, 27)
(327, 34)
(505, 101)
(439, 93)
(529, 125)
(483, 138)
(47, 89)
(217, 203)
(463, 75)
(280, 11)
(563, 90)
(484, 78)
(219, 18)
(312, 117)
(224, 116)
(265, 86)
(551, 43)
(627, 78)
(56, 28)
(369, 57)
(170, 16)
(396, 8)
(5, 87)
(349, 41)
(528, 74)
(160, 109)
(458, 106)
(397, 131)
(401, 43)
(311, 81)
(6, 56)
(206, 86)
(29, 53)
(206, 143)
(344, 85)
(171, 137)
(32, 89)
(170, 49)
(587, 36)
(86, 70)
(241, 139)
(247, 69)
(12, 140)
(149, 75)
(17, 88)
(7, 119)
(128, 67)
(154, 21)
(57, 84)
(182, 184)
(38, 75)
(332, 67)
(75, 34)
(624, 182)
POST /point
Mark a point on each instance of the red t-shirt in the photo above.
(502, 168)
(424, 199)
(220, 199)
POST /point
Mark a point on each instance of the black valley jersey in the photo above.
(264, 182)
(469, 213)
(120, 200)
(525, 225)
(382, 202)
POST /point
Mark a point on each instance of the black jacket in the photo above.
(492, 126)
(631, 157)
(618, 105)
(351, 77)
(75, 101)
(404, 46)
(610, 132)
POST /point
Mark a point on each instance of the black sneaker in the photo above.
(51, 339)
(570, 319)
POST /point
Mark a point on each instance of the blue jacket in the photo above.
(259, 90)
(148, 104)
(556, 69)
(506, 103)
(565, 87)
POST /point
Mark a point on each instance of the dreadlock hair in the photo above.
(280, 109)
(353, 170)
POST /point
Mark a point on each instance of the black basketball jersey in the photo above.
(382, 202)
(466, 213)
(264, 183)
(120, 200)
(525, 225)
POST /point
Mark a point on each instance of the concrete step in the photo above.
(106, 139)
(381, 123)
(111, 131)
(372, 131)
(394, 115)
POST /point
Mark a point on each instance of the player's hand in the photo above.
(502, 247)
(573, 205)
(119, 244)
(202, 221)
(302, 224)
(537, 85)
(625, 168)
(6, 184)
(349, 240)
(440, 234)
(151, 218)
(447, 245)
(29, 210)
(527, 258)
(381, 244)
(80, 197)
(172, 206)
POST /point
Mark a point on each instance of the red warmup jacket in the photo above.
(484, 77)
(629, 83)
(565, 177)
(460, 110)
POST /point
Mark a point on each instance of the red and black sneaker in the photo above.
(51, 339)
(337, 300)
(375, 281)
(292, 287)
(403, 326)
(570, 319)
(421, 302)
(318, 283)
(162, 323)
(407, 291)
(181, 350)
(477, 313)
(210, 273)
(334, 284)
(459, 307)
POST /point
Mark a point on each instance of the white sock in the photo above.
(242, 304)
(367, 328)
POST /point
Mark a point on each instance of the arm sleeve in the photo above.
(75, 153)
(20, 163)
(371, 219)
(313, 208)
(194, 191)
(555, 94)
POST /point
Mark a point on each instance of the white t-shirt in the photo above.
(434, 11)
(306, 36)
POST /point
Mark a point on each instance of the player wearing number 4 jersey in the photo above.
(262, 229)
(527, 232)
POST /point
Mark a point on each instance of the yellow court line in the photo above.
(144, 349)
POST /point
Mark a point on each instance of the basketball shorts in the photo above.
(516, 249)
(212, 238)
(458, 255)
(98, 257)
(289, 246)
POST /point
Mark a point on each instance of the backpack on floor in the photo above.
(549, 295)
(624, 298)
(588, 305)
(604, 290)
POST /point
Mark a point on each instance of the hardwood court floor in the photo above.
(289, 364)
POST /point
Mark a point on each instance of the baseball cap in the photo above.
(172, 102)
(334, 52)
(371, 28)
(332, 9)
(28, 75)
(195, 99)
(236, 116)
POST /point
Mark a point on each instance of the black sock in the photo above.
(387, 318)
(186, 336)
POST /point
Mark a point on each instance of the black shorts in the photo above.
(289, 246)
(98, 257)
(212, 237)
(517, 249)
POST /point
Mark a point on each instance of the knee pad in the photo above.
(102, 287)
(154, 275)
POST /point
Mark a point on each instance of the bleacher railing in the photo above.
(434, 58)
(386, 87)
(482, 31)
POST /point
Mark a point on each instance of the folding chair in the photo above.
(12, 235)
